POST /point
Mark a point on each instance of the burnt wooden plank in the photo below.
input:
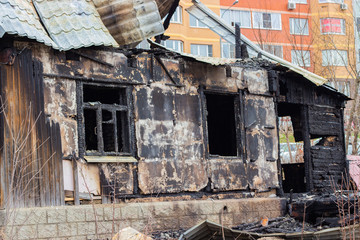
(76, 182)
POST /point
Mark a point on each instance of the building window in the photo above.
(300, 58)
(334, 58)
(106, 118)
(176, 45)
(201, 50)
(332, 26)
(358, 24)
(341, 86)
(299, 26)
(299, 1)
(331, 1)
(273, 49)
(232, 17)
(227, 50)
(221, 124)
(267, 20)
(177, 16)
(194, 22)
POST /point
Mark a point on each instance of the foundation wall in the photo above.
(102, 221)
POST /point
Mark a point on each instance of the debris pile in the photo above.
(276, 225)
(167, 235)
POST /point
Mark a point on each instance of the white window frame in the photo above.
(177, 16)
(299, 1)
(261, 20)
(335, 33)
(176, 45)
(230, 52)
(331, 1)
(197, 22)
(271, 49)
(332, 54)
(198, 46)
(301, 24)
(232, 13)
(301, 58)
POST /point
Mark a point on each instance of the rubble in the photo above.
(277, 225)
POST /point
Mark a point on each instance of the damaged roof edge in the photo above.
(209, 18)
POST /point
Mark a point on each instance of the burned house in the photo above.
(81, 114)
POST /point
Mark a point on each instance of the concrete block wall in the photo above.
(102, 221)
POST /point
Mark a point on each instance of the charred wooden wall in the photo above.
(31, 157)
(170, 131)
(317, 112)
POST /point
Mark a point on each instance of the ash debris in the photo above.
(277, 225)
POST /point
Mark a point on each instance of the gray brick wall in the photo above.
(102, 221)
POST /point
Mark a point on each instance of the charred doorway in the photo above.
(291, 148)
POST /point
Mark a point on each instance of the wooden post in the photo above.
(76, 182)
(237, 41)
(307, 147)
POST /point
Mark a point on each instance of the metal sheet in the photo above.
(19, 18)
(130, 21)
(164, 6)
(73, 23)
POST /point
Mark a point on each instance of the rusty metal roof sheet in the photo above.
(164, 6)
(18, 17)
(130, 21)
(73, 23)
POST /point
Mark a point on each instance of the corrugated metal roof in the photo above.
(210, 60)
(130, 21)
(219, 26)
(18, 17)
(73, 23)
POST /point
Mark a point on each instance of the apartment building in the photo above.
(315, 34)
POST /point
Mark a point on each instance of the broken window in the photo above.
(222, 112)
(106, 120)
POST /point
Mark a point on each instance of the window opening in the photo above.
(221, 121)
(106, 120)
(291, 157)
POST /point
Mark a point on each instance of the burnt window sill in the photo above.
(110, 159)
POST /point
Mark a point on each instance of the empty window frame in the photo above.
(300, 58)
(105, 124)
(176, 45)
(264, 20)
(194, 22)
(232, 17)
(222, 120)
(334, 57)
(332, 25)
(177, 16)
(201, 50)
(299, 26)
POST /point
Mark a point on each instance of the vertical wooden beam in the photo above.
(76, 182)
(307, 147)
(237, 41)
(242, 126)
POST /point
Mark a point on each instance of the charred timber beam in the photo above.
(237, 41)
(307, 146)
(176, 84)
(87, 79)
(93, 59)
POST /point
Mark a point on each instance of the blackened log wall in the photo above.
(321, 116)
(31, 159)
